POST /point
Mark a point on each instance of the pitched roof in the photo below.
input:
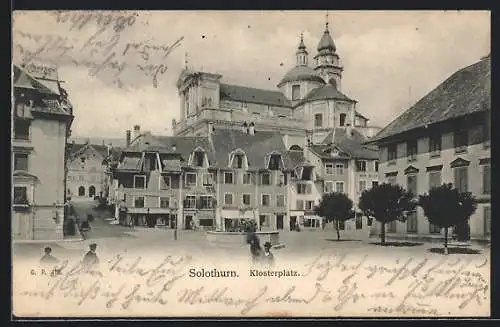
(352, 145)
(293, 158)
(255, 146)
(77, 149)
(253, 95)
(326, 92)
(301, 73)
(465, 92)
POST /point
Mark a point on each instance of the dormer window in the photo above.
(238, 160)
(307, 173)
(199, 158)
(274, 161)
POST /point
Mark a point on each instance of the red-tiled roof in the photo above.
(465, 92)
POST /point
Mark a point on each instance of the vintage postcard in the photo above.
(251, 164)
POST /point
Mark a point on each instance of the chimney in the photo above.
(244, 127)
(210, 128)
(251, 128)
(128, 138)
(137, 131)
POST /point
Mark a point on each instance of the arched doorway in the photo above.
(91, 191)
(81, 191)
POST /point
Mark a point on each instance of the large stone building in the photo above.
(443, 138)
(87, 171)
(42, 117)
(269, 154)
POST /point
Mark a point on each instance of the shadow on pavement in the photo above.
(398, 244)
(455, 250)
(341, 240)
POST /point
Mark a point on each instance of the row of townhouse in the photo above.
(443, 138)
(214, 181)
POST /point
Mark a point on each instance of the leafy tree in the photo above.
(386, 203)
(446, 207)
(335, 207)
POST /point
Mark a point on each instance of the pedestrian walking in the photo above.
(255, 248)
(268, 257)
(90, 260)
(84, 228)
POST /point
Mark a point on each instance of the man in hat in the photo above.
(48, 259)
(268, 257)
(90, 259)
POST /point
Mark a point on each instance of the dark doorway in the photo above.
(81, 191)
(293, 222)
(279, 221)
(188, 221)
(91, 192)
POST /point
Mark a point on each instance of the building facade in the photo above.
(87, 168)
(443, 138)
(42, 117)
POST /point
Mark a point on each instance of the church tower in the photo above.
(327, 60)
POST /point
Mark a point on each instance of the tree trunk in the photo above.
(382, 234)
(446, 241)
(337, 227)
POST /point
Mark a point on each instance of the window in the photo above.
(191, 179)
(21, 161)
(228, 178)
(228, 199)
(21, 129)
(339, 187)
(359, 221)
(434, 179)
(309, 205)
(140, 182)
(208, 179)
(461, 140)
(264, 220)
(412, 222)
(20, 195)
(282, 179)
(328, 187)
(342, 119)
(339, 169)
(435, 145)
(280, 200)
(139, 202)
(303, 188)
(375, 166)
(360, 165)
(412, 150)
(21, 107)
(199, 158)
(164, 202)
(392, 226)
(434, 229)
(247, 178)
(411, 184)
(329, 169)
(246, 199)
(165, 182)
(318, 120)
(206, 202)
(392, 152)
(300, 204)
(295, 92)
(266, 179)
(374, 184)
(461, 179)
(274, 162)
(486, 179)
(362, 186)
(265, 200)
(238, 161)
(487, 221)
(190, 202)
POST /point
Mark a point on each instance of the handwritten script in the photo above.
(329, 285)
(101, 43)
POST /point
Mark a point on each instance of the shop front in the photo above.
(234, 219)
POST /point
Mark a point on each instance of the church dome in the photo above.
(301, 73)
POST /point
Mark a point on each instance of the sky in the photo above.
(391, 58)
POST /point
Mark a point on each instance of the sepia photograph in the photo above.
(250, 164)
